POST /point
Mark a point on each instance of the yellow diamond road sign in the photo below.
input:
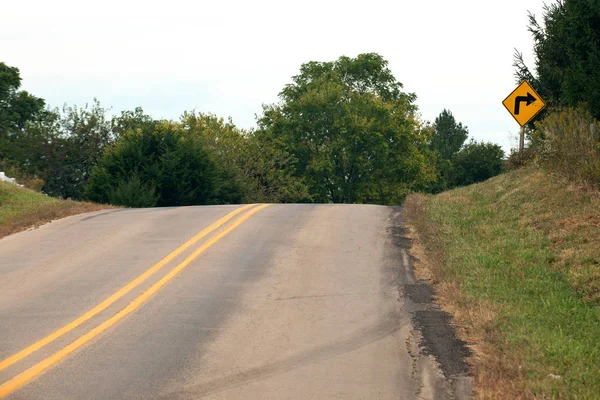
(524, 103)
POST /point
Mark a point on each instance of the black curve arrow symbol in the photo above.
(529, 99)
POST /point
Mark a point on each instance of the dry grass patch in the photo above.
(21, 209)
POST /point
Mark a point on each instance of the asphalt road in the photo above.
(276, 302)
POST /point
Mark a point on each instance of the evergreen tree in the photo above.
(171, 168)
(448, 135)
(567, 54)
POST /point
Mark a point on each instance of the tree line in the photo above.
(342, 132)
(565, 137)
(566, 55)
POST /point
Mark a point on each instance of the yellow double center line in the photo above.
(19, 380)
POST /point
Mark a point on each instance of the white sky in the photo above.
(230, 57)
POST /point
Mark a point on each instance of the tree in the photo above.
(224, 142)
(447, 138)
(269, 171)
(129, 120)
(567, 54)
(62, 148)
(354, 133)
(87, 133)
(448, 135)
(476, 162)
(170, 163)
(57, 148)
(16, 107)
(252, 166)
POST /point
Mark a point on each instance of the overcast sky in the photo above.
(230, 57)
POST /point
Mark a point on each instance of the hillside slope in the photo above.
(22, 208)
(516, 259)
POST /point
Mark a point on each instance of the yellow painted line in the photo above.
(120, 293)
(21, 379)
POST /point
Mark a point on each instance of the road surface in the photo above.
(220, 302)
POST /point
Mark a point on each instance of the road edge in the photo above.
(433, 342)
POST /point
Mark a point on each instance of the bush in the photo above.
(517, 159)
(566, 144)
(476, 162)
(133, 192)
(176, 164)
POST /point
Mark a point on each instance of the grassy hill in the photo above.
(22, 208)
(516, 259)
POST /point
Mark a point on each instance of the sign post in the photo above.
(521, 139)
(523, 104)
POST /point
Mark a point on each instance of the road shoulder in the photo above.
(434, 342)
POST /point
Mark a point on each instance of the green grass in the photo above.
(527, 247)
(23, 208)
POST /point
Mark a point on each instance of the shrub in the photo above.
(567, 144)
(164, 157)
(133, 192)
(476, 162)
(517, 159)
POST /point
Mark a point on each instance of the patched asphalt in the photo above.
(298, 302)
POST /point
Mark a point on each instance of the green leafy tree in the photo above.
(176, 165)
(38, 150)
(16, 107)
(62, 148)
(443, 169)
(476, 162)
(225, 143)
(269, 171)
(87, 132)
(354, 133)
(252, 166)
(58, 149)
(129, 120)
(567, 54)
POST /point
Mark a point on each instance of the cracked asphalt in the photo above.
(293, 302)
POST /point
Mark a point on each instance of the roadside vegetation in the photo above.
(22, 208)
(342, 131)
(516, 259)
